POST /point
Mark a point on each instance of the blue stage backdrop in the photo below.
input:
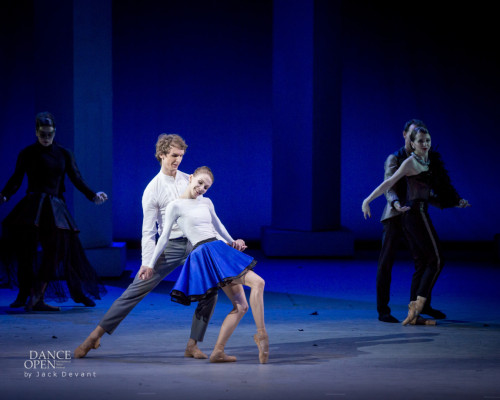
(203, 69)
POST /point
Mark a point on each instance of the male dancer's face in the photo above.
(45, 135)
(406, 135)
(171, 161)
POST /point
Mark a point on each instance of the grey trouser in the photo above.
(174, 255)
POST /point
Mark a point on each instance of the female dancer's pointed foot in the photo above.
(262, 341)
(193, 351)
(218, 356)
(89, 344)
(414, 310)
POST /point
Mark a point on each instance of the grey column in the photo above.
(307, 83)
(73, 41)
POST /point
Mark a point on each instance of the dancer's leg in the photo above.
(236, 294)
(390, 242)
(26, 248)
(256, 283)
(175, 254)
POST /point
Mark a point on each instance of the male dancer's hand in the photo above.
(100, 198)
(463, 203)
(239, 244)
(145, 273)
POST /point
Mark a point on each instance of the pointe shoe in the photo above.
(89, 344)
(195, 352)
(423, 321)
(221, 357)
(262, 341)
(414, 310)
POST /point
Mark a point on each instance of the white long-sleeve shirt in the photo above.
(196, 218)
(162, 190)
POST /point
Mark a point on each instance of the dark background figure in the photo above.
(42, 217)
(393, 229)
(426, 179)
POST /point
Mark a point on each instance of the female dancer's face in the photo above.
(45, 135)
(199, 184)
(422, 144)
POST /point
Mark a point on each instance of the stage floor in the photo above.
(326, 341)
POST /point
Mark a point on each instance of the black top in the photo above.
(46, 167)
(419, 187)
(441, 192)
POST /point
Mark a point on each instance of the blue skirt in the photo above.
(210, 266)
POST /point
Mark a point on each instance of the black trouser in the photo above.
(425, 247)
(32, 275)
(391, 238)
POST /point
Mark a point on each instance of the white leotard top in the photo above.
(196, 218)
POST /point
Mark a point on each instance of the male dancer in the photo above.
(165, 187)
(393, 230)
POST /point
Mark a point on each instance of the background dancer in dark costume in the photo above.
(392, 221)
(42, 217)
(213, 264)
(424, 172)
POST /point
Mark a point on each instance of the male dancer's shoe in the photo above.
(218, 355)
(89, 344)
(36, 303)
(20, 301)
(387, 318)
(87, 302)
(193, 351)
(42, 306)
(432, 312)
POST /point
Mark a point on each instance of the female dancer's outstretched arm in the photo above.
(405, 169)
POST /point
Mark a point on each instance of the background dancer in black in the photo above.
(424, 172)
(42, 217)
(393, 228)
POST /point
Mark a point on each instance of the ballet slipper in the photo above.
(262, 341)
(194, 352)
(89, 344)
(221, 357)
(414, 310)
(218, 355)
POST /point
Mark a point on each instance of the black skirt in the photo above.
(36, 217)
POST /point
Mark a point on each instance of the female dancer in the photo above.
(213, 264)
(42, 217)
(424, 172)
